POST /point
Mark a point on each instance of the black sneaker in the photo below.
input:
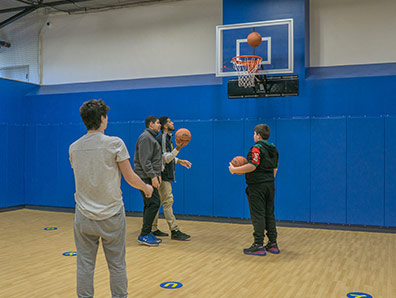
(178, 235)
(272, 247)
(255, 249)
(158, 233)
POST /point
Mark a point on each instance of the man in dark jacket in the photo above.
(148, 164)
(169, 160)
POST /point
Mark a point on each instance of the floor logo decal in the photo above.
(171, 285)
(69, 253)
(359, 295)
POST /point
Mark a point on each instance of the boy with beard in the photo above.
(169, 160)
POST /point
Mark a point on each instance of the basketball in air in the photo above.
(254, 39)
(239, 161)
(183, 136)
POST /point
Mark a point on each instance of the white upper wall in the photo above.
(163, 39)
(22, 60)
(346, 32)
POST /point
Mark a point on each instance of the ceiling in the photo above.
(12, 10)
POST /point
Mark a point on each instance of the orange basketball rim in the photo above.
(246, 66)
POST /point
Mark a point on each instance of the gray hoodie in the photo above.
(148, 155)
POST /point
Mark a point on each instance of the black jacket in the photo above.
(264, 156)
(168, 172)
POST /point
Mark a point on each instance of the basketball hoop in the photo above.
(246, 67)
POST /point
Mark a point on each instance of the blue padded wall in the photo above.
(11, 100)
(12, 133)
(293, 141)
(12, 159)
(4, 160)
(15, 165)
(65, 181)
(365, 171)
(198, 193)
(30, 154)
(48, 173)
(351, 96)
(328, 170)
(122, 130)
(44, 178)
(304, 190)
(390, 171)
(228, 198)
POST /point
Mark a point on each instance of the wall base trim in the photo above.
(232, 220)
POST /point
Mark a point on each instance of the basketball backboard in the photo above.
(276, 47)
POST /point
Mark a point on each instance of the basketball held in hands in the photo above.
(239, 161)
(183, 136)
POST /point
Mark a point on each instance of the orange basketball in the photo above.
(183, 136)
(254, 39)
(239, 161)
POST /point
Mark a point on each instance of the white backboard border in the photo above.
(219, 46)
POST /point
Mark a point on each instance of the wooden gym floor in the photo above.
(312, 262)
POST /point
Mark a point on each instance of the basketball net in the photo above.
(246, 66)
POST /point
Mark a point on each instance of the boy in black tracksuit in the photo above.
(260, 176)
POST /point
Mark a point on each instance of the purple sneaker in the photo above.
(255, 249)
(272, 247)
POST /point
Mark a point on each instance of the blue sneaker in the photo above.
(146, 240)
(158, 240)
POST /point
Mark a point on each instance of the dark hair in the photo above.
(91, 112)
(163, 120)
(263, 130)
(150, 119)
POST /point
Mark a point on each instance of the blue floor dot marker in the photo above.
(50, 228)
(171, 285)
(359, 295)
(70, 254)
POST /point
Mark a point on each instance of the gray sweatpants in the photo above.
(87, 233)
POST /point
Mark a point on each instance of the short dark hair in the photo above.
(163, 120)
(91, 112)
(150, 119)
(263, 130)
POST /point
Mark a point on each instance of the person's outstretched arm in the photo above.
(133, 179)
(167, 157)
